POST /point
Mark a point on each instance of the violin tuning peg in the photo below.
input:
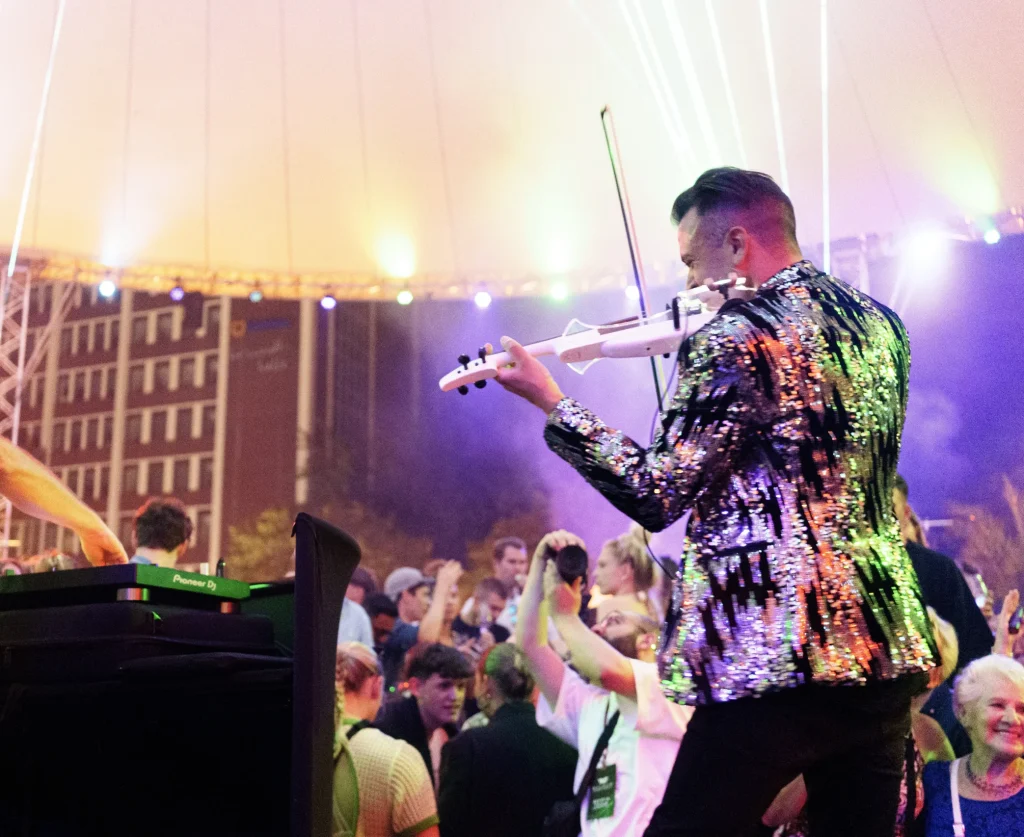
(464, 360)
(480, 384)
(482, 353)
(463, 390)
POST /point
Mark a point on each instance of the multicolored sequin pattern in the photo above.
(782, 437)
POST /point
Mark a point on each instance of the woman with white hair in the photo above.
(982, 794)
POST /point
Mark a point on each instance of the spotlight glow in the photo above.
(107, 288)
(482, 299)
(396, 255)
(177, 293)
(992, 236)
(926, 250)
(328, 303)
(632, 293)
(404, 297)
(559, 291)
(255, 295)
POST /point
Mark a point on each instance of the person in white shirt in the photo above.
(617, 658)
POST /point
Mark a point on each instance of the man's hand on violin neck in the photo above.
(528, 378)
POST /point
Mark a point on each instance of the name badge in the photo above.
(602, 794)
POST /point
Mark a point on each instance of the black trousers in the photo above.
(847, 741)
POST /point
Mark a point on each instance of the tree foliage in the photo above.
(988, 543)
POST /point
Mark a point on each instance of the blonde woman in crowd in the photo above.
(394, 793)
(624, 575)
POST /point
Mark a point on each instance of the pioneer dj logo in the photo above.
(202, 583)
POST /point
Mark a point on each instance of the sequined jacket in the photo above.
(782, 436)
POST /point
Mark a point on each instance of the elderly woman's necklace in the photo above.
(982, 783)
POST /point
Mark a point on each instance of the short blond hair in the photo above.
(974, 682)
(354, 664)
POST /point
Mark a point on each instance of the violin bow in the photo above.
(612, 142)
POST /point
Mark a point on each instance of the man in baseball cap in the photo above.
(419, 618)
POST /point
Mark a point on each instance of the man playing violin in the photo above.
(799, 633)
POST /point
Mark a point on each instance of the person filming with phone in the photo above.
(609, 705)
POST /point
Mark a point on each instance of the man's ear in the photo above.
(414, 686)
(738, 242)
(377, 689)
(646, 642)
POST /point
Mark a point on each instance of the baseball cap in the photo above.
(402, 579)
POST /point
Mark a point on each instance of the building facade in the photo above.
(140, 396)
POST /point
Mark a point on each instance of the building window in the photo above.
(206, 473)
(99, 337)
(49, 535)
(72, 480)
(162, 376)
(96, 384)
(115, 334)
(209, 420)
(59, 441)
(104, 482)
(158, 427)
(137, 378)
(80, 386)
(130, 481)
(70, 542)
(127, 530)
(64, 388)
(186, 372)
(76, 435)
(67, 338)
(210, 370)
(133, 429)
(203, 524)
(92, 433)
(164, 325)
(108, 431)
(155, 481)
(181, 473)
(183, 424)
(88, 483)
(213, 320)
(140, 328)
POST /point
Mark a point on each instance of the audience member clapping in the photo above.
(623, 693)
(502, 779)
(379, 782)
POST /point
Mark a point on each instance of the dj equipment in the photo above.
(141, 700)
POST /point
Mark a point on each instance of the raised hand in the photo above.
(564, 599)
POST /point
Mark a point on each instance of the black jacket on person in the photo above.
(944, 588)
(401, 719)
(502, 779)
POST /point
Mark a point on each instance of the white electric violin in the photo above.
(582, 345)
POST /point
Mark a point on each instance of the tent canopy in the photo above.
(458, 142)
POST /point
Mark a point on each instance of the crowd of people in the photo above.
(535, 700)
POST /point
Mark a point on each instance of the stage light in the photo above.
(396, 256)
(991, 236)
(177, 293)
(255, 295)
(482, 299)
(559, 291)
(927, 250)
(404, 297)
(107, 288)
(328, 303)
(632, 293)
